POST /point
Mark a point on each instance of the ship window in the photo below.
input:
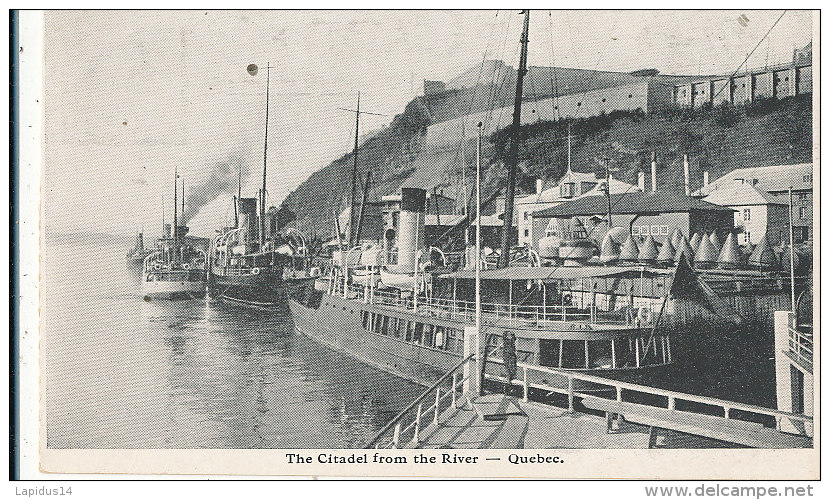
(439, 337)
(419, 332)
(384, 329)
(655, 230)
(429, 335)
(802, 212)
(410, 330)
(664, 230)
(573, 354)
(364, 316)
(635, 231)
(599, 354)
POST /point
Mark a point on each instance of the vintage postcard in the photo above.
(491, 243)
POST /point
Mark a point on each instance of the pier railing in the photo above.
(801, 346)
(526, 315)
(408, 424)
(538, 377)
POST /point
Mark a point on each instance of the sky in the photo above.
(131, 96)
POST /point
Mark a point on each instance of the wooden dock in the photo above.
(614, 418)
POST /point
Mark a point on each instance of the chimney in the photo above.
(247, 219)
(641, 181)
(654, 171)
(538, 186)
(686, 175)
(410, 228)
(705, 178)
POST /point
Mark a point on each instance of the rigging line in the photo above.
(553, 80)
(729, 80)
(475, 91)
(499, 79)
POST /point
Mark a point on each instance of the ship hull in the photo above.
(266, 289)
(172, 290)
(337, 323)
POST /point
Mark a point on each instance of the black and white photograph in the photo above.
(472, 243)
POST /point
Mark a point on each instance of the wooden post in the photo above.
(619, 393)
(436, 420)
(524, 370)
(454, 388)
(570, 394)
(671, 403)
(397, 437)
(416, 438)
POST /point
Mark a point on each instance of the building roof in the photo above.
(631, 203)
(741, 194)
(770, 179)
(554, 193)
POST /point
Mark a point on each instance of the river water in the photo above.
(119, 372)
(124, 373)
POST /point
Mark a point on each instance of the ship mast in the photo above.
(352, 235)
(175, 203)
(264, 160)
(513, 154)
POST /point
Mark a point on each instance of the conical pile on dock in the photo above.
(630, 252)
(763, 257)
(676, 236)
(730, 256)
(695, 241)
(706, 255)
(715, 240)
(684, 248)
(666, 254)
(648, 251)
(609, 251)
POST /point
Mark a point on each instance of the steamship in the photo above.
(411, 321)
(254, 263)
(136, 256)
(176, 269)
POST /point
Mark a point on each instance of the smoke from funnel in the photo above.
(221, 180)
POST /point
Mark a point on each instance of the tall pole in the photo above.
(792, 253)
(354, 175)
(264, 159)
(478, 246)
(513, 156)
(363, 206)
(238, 196)
(175, 203)
(183, 221)
(608, 188)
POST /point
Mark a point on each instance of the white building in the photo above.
(773, 184)
(571, 186)
(757, 213)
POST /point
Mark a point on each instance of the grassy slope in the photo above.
(718, 140)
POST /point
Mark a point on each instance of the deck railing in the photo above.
(622, 391)
(522, 315)
(801, 345)
(412, 419)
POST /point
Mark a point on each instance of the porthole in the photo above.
(602, 101)
(579, 104)
(630, 95)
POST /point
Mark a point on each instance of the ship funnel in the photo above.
(168, 230)
(411, 228)
(181, 231)
(247, 219)
(271, 223)
(729, 257)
